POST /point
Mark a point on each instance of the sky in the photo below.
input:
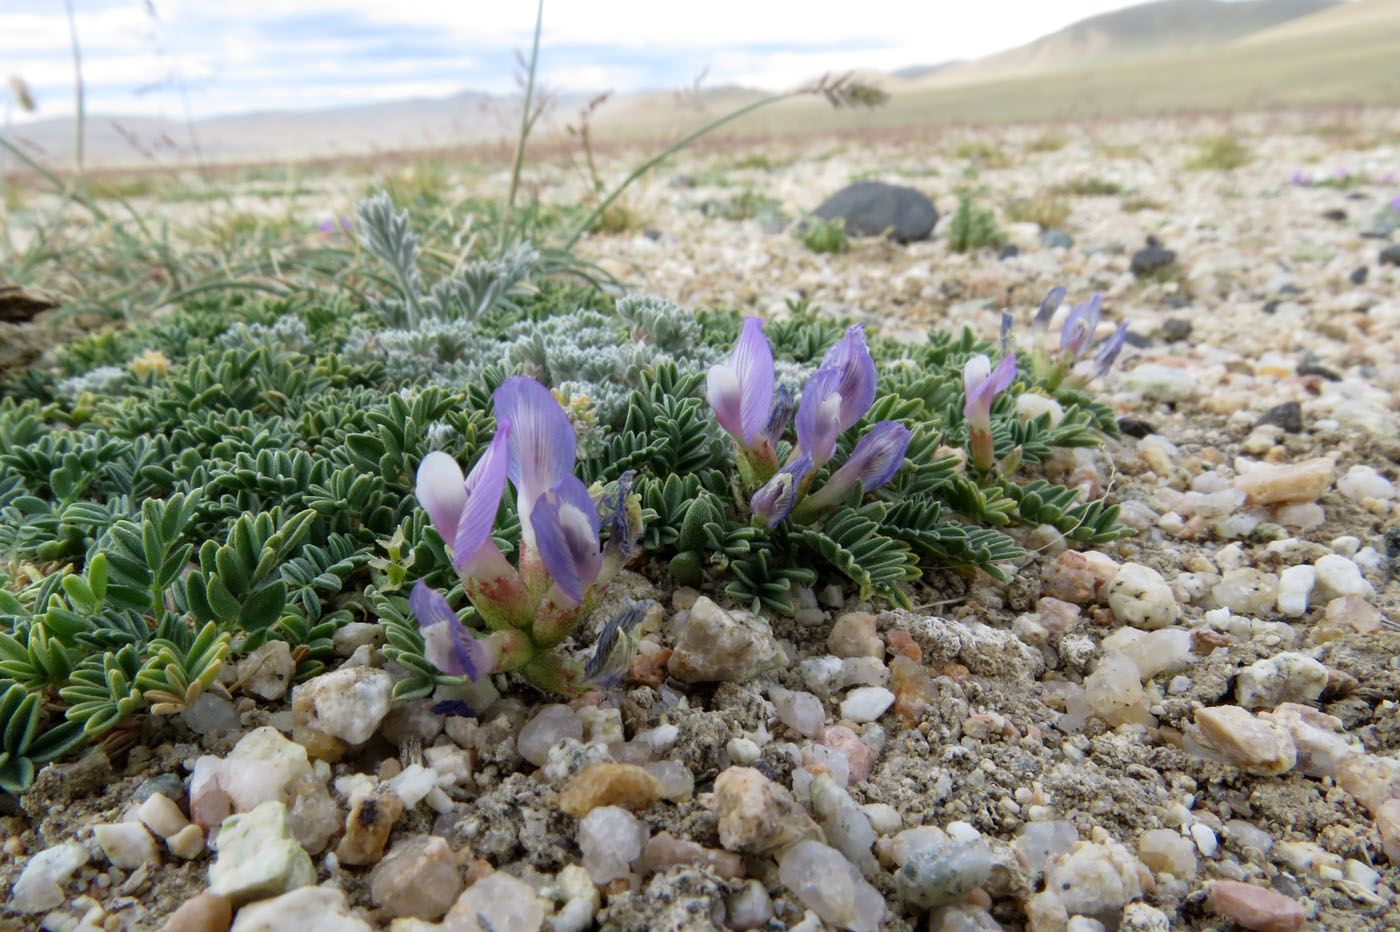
(198, 58)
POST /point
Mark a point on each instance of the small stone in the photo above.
(1362, 482)
(1038, 842)
(1165, 650)
(497, 902)
(1288, 416)
(866, 704)
(1175, 329)
(743, 750)
(367, 827)
(859, 756)
(417, 877)
(1055, 238)
(716, 645)
(1157, 382)
(1337, 576)
(267, 672)
(853, 635)
(161, 815)
(353, 635)
(939, 875)
(847, 828)
(1257, 908)
(1351, 613)
(756, 815)
(666, 851)
(258, 857)
(1267, 484)
(1166, 852)
(40, 886)
(308, 909)
(1295, 584)
(187, 843)
(346, 705)
(260, 768)
(1151, 259)
(1388, 826)
(825, 882)
(1286, 677)
(800, 711)
(674, 781)
(1252, 744)
(749, 907)
(611, 838)
(1205, 839)
(209, 804)
(1114, 691)
(127, 844)
(1139, 596)
(203, 912)
(1371, 779)
(211, 715)
(964, 918)
(606, 784)
(1093, 879)
(1320, 738)
(1246, 591)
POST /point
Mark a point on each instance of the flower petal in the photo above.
(1080, 326)
(1111, 348)
(773, 502)
(877, 456)
(819, 414)
(725, 398)
(616, 647)
(447, 645)
(982, 385)
(483, 489)
(440, 491)
(542, 443)
(566, 534)
(1048, 307)
(852, 359)
(753, 366)
(780, 415)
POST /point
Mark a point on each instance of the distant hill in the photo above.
(1147, 30)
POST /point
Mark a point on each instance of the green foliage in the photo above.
(823, 236)
(973, 226)
(1220, 153)
(1092, 186)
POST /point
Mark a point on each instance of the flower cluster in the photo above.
(755, 414)
(1051, 369)
(563, 567)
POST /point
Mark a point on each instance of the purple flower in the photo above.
(463, 511)
(1053, 299)
(741, 391)
(446, 644)
(1301, 178)
(780, 415)
(542, 445)
(851, 358)
(982, 384)
(772, 503)
(617, 646)
(1079, 327)
(1111, 348)
(565, 525)
(819, 415)
(874, 461)
(1004, 336)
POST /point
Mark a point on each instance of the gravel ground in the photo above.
(1128, 738)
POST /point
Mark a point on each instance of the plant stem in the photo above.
(525, 124)
(79, 117)
(652, 162)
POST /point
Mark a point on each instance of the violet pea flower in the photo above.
(464, 510)
(447, 645)
(1079, 328)
(851, 358)
(819, 420)
(741, 390)
(565, 524)
(982, 384)
(542, 445)
(1111, 348)
(874, 461)
(772, 503)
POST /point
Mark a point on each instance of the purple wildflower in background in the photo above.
(981, 385)
(1079, 327)
(1300, 178)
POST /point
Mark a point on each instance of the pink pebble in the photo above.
(859, 755)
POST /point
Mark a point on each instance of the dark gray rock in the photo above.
(1288, 415)
(1390, 255)
(872, 208)
(1336, 214)
(1132, 427)
(1009, 251)
(1055, 238)
(1174, 329)
(1358, 275)
(1137, 340)
(1176, 301)
(1315, 368)
(1151, 258)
